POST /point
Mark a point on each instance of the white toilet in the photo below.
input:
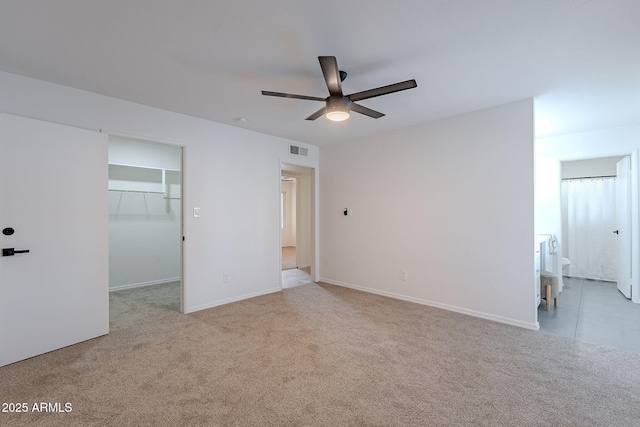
(565, 266)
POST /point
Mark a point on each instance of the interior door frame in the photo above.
(635, 226)
(183, 150)
(623, 225)
(315, 274)
(635, 219)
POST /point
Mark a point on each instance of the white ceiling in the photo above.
(579, 59)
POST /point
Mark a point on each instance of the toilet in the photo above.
(565, 266)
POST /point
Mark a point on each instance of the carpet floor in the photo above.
(163, 295)
(322, 355)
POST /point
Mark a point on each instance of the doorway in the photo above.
(590, 306)
(145, 224)
(590, 208)
(296, 224)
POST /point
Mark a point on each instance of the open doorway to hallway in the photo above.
(296, 220)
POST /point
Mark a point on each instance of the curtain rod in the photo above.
(590, 177)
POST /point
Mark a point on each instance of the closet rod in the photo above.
(147, 192)
(139, 191)
(590, 177)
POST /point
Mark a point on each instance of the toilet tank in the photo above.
(547, 260)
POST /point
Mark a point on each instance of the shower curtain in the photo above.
(589, 219)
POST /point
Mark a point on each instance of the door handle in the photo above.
(12, 251)
(616, 232)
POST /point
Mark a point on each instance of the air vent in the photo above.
(298, 151)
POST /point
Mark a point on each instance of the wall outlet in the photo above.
(225, 277)
(403, 274)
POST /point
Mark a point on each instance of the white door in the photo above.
(53, 183)
(623, 223)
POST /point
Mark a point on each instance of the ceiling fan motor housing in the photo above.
(338, 103)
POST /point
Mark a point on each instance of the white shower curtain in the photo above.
(589, 219)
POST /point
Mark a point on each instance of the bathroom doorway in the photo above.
(590, 307)
(590, 217)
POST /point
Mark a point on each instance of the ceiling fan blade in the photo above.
(319, 113)
(383, 90)
(331, 74)
(366, 111)
(290, 95)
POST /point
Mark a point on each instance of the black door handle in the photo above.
(616, 232)
(12, 251)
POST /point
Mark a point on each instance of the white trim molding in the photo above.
(531, 326)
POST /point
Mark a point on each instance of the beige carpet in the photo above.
(289, 257)
(326, 356)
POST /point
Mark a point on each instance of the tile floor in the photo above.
(595, 312)
(296, 277)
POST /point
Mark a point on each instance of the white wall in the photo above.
(548, 219)
(619, 141)
(239, 223)
(127, 152)
(450, 202)
(602, 166)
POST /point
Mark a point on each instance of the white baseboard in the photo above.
(229, 300)
(143, 284)
(532, 326)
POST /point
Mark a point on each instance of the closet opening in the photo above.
(145, 225)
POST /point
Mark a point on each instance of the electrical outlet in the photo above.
(403, 274)
(225, 277)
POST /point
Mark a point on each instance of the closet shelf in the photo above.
(154, 181)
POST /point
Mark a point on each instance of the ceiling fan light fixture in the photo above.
(337, 115)
(338, 108)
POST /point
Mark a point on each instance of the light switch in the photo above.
(196, 212)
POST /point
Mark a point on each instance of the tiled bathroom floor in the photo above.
(595, 312)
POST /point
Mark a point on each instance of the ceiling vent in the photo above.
(298, 151)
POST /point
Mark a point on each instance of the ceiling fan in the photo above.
(337, 105)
